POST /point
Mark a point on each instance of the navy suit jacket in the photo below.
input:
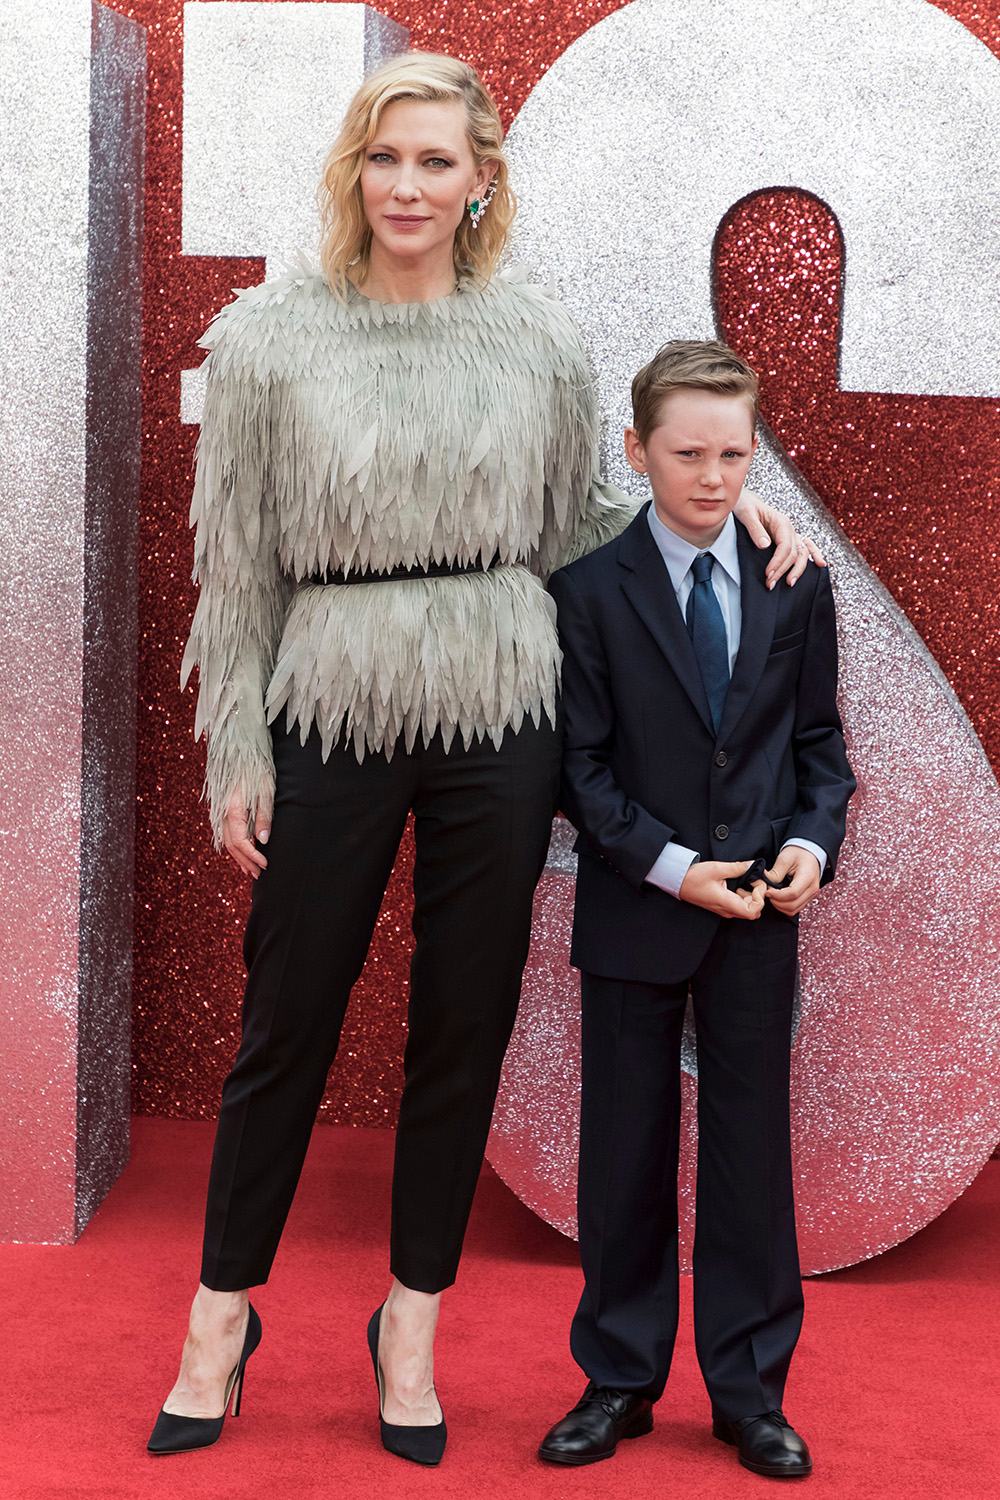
(642, 763)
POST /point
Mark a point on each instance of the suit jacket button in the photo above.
(722, 832)
(722, 758)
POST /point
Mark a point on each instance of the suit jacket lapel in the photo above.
(759, 608)
(649, 590)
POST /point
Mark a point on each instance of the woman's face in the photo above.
(418, 176)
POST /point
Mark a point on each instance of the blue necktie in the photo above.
(708, 633)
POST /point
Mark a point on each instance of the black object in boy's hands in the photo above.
(747, 881)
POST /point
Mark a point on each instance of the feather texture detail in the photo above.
(365, 436)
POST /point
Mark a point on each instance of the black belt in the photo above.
(394, 575)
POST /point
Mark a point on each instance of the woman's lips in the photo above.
(406, 221)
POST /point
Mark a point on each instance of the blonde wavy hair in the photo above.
(434, 78)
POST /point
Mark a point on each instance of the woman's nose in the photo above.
(405, 187)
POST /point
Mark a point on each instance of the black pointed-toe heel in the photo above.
(421, 1445)
(177, 1434)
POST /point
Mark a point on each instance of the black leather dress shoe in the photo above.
(596, 1425)
(767, 1445)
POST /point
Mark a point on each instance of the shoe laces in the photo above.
(612, 1401)
(777, 1417)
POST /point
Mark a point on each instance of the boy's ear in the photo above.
(634, 451)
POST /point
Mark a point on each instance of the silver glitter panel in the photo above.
(894, 1066)
(44, 87)
(58, 1117)
(265, 89)
(888, 110)
(114, 435)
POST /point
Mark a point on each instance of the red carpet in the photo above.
(894, 1384)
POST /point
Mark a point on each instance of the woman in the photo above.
(394, 455)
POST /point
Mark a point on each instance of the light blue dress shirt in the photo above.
(675, 860)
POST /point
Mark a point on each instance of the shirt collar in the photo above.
(679, 554)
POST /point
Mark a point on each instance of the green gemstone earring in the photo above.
(479, 205)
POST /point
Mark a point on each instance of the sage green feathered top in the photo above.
(367, 435)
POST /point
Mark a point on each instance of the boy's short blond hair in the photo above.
(689, 364)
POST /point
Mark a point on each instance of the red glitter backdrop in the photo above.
(911, 480)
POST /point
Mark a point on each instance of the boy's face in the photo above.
(696, 458)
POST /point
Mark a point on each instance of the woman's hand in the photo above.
(767, 525)
(234, 835)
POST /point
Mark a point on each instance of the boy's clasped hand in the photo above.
(789, 885)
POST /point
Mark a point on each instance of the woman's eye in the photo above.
(380, 156)
(438, 161)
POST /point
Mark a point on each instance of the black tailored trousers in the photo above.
(482, 821)
(747, 1285)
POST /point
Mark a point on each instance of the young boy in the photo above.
(702, 733)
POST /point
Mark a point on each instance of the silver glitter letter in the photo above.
(645, 132)
(72, 92)
(265, 89)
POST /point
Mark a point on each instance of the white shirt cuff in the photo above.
(813, 849)
(671, 867)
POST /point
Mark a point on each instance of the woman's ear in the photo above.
(634, 451)
(485, 173)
